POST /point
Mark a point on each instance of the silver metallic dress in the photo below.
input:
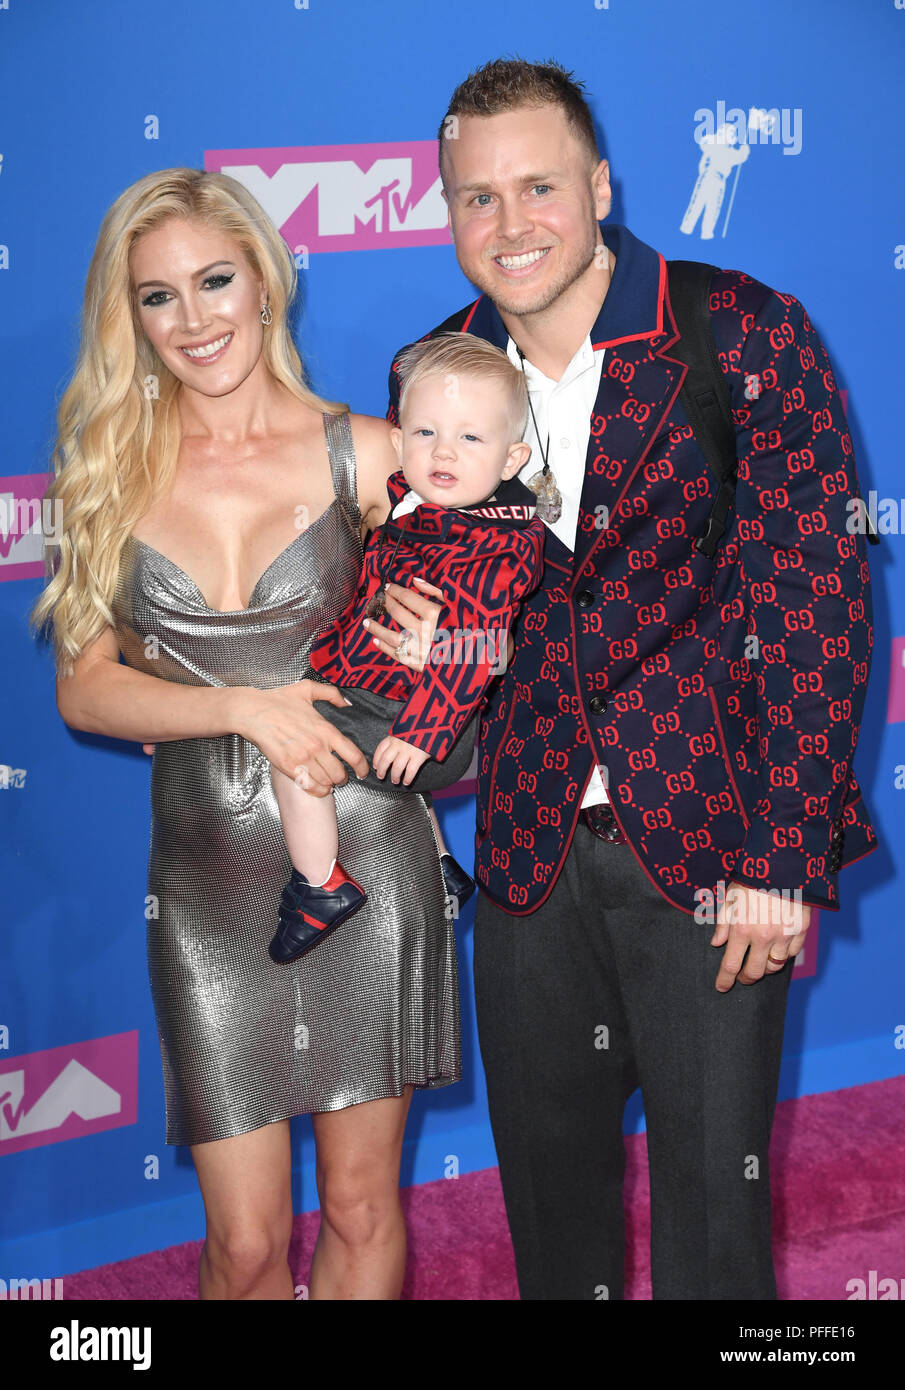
(375, 1006)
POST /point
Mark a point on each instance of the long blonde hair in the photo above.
(118, 424)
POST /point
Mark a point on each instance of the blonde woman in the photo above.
(214, 510)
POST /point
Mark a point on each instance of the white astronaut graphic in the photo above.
(722, 151)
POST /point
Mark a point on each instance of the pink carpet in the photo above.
(839, 1212)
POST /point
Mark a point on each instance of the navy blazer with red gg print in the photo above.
(723, 695)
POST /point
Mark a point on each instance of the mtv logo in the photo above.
(67, 1092)
(345, 197)
(21, 536)
(11, 777)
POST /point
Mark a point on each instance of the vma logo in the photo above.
(67, 1092)
(345, 197)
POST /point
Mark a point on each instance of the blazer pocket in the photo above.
(735, 713)
(484, 812)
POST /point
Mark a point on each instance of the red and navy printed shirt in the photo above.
(485, 559)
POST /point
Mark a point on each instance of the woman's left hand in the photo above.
(417, 614)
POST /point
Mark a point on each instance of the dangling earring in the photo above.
(266, 314)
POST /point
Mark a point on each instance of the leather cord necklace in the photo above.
(543, 483)
(377, 605)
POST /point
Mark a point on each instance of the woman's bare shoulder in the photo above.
(372, 434)
(375, 459)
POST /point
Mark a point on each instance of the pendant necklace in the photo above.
(377, 606)
(543, 484)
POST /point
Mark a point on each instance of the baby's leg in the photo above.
(309, 827)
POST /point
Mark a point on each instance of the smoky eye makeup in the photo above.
(218, 281)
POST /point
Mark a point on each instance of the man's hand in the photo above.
(417, 615)
(399, 758)
(761, 931)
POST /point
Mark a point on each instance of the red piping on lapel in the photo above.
(466, 324)
(675, 328)
(653, 332)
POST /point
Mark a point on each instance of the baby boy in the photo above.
(462, 413)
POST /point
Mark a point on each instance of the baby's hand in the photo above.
(399, 758)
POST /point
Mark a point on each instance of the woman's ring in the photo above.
(402, 649)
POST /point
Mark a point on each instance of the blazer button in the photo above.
(584, 598)
(597, 704)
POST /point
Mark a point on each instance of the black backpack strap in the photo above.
(705, 390)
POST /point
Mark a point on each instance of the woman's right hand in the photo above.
(298, 741)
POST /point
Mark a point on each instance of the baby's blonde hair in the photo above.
(462, 354)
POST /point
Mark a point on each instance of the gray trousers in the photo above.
(368, 721)
(604, 988)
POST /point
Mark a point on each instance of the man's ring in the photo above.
(402, 649)
(774, 961)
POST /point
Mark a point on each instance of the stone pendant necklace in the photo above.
(543, 484)
(377, 605)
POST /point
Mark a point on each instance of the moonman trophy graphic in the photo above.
(721, 153)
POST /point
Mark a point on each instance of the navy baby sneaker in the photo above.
(308, 914)
(457, 882)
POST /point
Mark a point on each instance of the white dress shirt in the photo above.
(563, 413)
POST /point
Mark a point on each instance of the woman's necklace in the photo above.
(377, 605)
(543, 484)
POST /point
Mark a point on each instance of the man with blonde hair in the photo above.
(667, 734)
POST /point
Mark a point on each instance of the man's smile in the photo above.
(523, 263)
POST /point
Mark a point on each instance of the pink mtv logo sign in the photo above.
(67, 1092)
(345, 197)
(896, 708)
(21, 525)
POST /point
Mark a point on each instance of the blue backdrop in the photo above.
(94, 95)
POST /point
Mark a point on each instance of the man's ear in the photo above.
(396, 437)
(600, 182)
(516, 458)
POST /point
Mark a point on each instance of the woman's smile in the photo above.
(211, 351)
